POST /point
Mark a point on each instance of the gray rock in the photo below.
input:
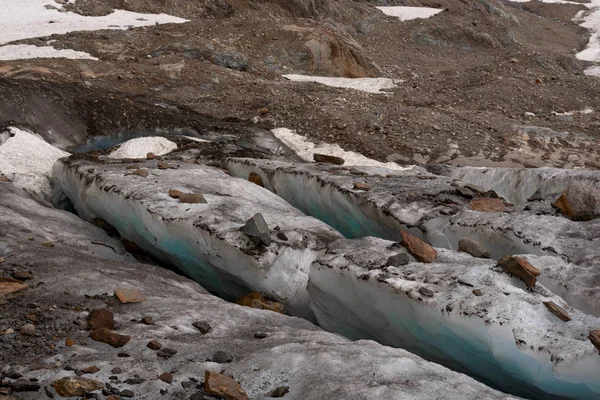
(222, 357)
(257, 228)
(473, 247)
(203, 326)
(398, 260)
(235, 61)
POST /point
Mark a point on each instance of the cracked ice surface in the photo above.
(203, 240)
(316, 365)
(506, 337)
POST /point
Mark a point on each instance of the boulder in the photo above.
(257, 228)
(520, 268)
(580, 202)
(473, 247)
(222, 386)
(418, 248)
(76, 386)
(102, 318)
(324, 158)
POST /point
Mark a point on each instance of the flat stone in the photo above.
(398, 260)
(362, 186)
(9, 287)
(24, 385)
(127, 393)
(166, 377)
(125, 295)
(191, 198)
(324, 158)
(203, 326)
(22, 275)
(257, 228)
(48, 243)
(256, 179)
(174, 193)
(418, 248)
(594, 337)
(102, 318)
(260, 335)
(90, 370)
(557, 310)
(473, 247)
(143, 172)
(426, 292)
(222, 357)
(105, 335)
(166, 352)
(477, 292)
(134, 381)
(521, 269)
(279, 391)
(222, 386)
(154, 345)
(487, 205)
(257, 300)
(76, 386)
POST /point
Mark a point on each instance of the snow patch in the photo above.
(407, 13)
(140, 147)
(306, 149)
(28, 51)
(369, 85)
(27, 160)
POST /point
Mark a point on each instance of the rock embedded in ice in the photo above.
(256, 179)
(487, 205)
(127, 295)
(594, 337)
(324, 158)
(398, 260)
(107, 336)
(257, 228)
(362, 186)
(580, 202)
(473, 247)
(191, 198)
(521, 269)
(223, 386)
(418, 248)
(257, 300)
(140, 147)
(557, 310)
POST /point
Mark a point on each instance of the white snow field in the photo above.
(405, 13)
(305, 149)
(506, 336)
(27, 160)
(369, 85)
(28, 51)
(140, 147)
(25, 19)
(203, 239)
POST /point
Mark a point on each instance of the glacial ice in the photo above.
(506, 337)
(203, 240)
(140, 147)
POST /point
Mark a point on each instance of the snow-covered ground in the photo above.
(305, 149)
(25, 19)
(369, 85)
(140, 147)
(27, 160)
(405, 13)
(27, 51)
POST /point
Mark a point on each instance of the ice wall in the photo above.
(203, 240)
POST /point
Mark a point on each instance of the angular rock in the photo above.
(557, 310)
(125, 295)
(166, 352)
(426, 292)
(473, 247)
(222, 357)
(323, 158)
(192, 198)
(418, 248)
(222, 386)
(594, 337)
(477, 292)
(487, 205)
(257, 228)
(154, 345)
(10, 287)
(398, 260)
(279, 391)
(22, 275)
(174, 193)
(104, 335)
(282, 236)
(24, 385)
(203, 326)
(102, 318)
(580, 202)
(256, 179)
(143, 172)
(362, 186)
(166, 377)
(257, 300)
(520, 268)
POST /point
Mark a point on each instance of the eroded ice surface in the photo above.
(140, 147)
(506, 337)
(314, 364)
(405, 13)
(203, 240)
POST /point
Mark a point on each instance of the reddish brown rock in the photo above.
(90, 370)
(107, 336)
(125, 295)
(191, 198)
(222, 386)
(324, 158)
(256, 179)
(174, 193)
(257, 300)
(594, 337)
(76, 386)
(166, 377)
(580, 202)
(102, 318)
(487, 205)
(557, 310)
(362, 186)
(418, 248)
(4, 179)
(69, 342)
(154, 345)
(10, 287)
(150, 156)
(521, 269)
(143, 172)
